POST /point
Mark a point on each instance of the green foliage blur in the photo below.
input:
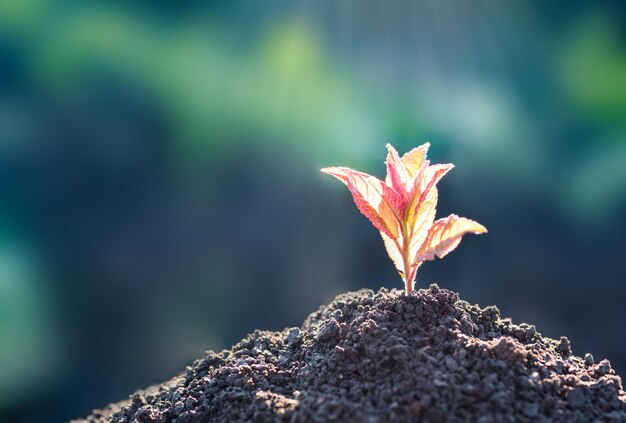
(160, 191)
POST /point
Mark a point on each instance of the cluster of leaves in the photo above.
(403, 209)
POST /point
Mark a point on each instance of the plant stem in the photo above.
(406, 261)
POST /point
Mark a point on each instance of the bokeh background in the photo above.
(160, 192)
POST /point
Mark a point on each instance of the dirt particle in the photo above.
(399, 353)
(564, 346)
(576, 398)
(294, 337)
(531, 409)
(329, 331)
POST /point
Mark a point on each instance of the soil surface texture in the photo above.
(385, 357)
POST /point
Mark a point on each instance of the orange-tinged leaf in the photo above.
(420, 219)
(396, 173)
(394, 253)
(445, 235)
(377, 201)
(432, 175)
(413, 160)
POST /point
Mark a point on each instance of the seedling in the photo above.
(403, 209)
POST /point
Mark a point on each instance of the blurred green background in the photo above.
(160, 192)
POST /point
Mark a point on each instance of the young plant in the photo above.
(403, 209)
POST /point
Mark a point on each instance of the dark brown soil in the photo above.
(378, 357)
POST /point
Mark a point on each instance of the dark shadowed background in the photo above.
(160, 192)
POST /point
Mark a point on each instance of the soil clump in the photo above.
(385, 357)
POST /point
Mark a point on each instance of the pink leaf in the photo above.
(445, 235)
(413, 159)
(432, 175)
(420, 219)
(396, 174)
(377, 201)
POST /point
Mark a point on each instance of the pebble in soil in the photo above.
(378, 357)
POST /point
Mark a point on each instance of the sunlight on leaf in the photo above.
(403, 209)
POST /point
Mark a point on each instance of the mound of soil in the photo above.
(377, 357)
